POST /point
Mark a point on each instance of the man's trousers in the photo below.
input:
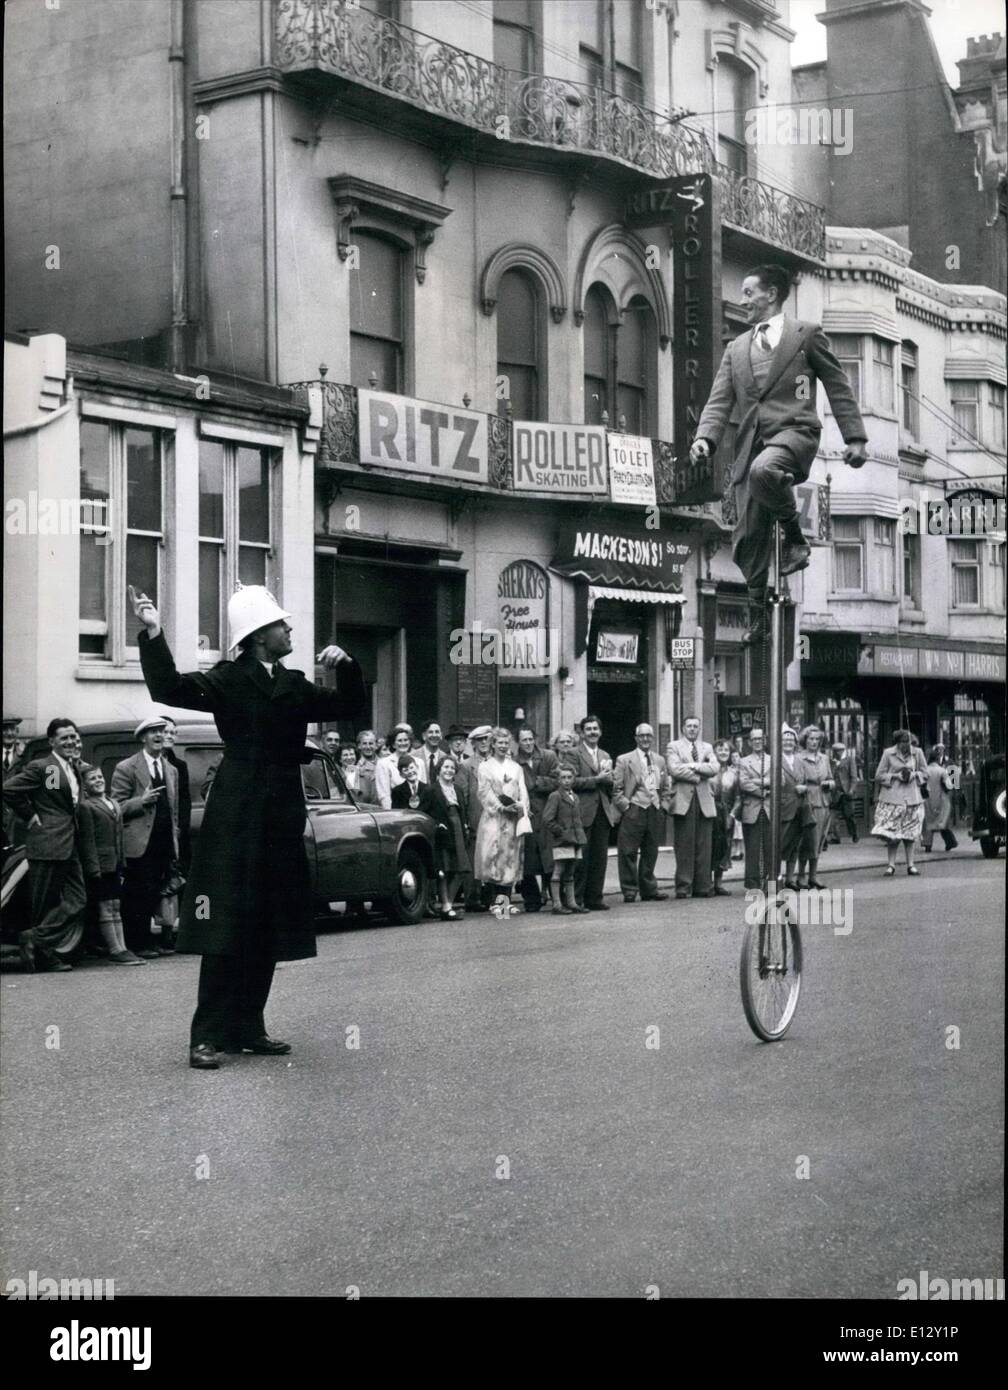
(141, 897)
(58, 900)
(232, 997)
(693, 841)
(590, 869)
(765, 495)
(757, 850)
(639, 833)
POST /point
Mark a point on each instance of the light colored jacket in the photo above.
(130, 779)
(893, 789)
(629, 776)
(680, 754)
(754, 783)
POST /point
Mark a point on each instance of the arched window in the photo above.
(376, 313)
(519, 339)
(619, 362)
(599, 354)
(635, 350)
(735, 95)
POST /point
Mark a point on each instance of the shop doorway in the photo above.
(621, 704)
(617, 673)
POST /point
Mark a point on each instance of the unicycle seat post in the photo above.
(775, 703)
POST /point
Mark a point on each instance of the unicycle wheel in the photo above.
(770, 972)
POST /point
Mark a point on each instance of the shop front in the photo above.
(861, 689)
(628, 585)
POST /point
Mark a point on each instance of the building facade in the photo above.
(452, 229)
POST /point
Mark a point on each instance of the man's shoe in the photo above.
(795, 556)
(655, 898)
(682, 893)
(720, 892)
(266, 1047)
(124, 958)
(49, 961)
(816, 885)
(165, 951)
(709, 894)
(204, 1057)
(630, 898)
(148, 955)
(597, 907)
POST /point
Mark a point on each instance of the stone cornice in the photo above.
(238, 84)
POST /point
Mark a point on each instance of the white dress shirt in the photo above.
(774, 329)
(155, 765)
(71, 777)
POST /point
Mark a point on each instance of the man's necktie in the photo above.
(693, 753)
(157, 780)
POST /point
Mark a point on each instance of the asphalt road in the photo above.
(518, 1048)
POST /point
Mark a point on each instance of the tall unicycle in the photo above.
(770, 969)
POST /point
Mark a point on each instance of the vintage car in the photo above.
(989, 817)
(357, 853)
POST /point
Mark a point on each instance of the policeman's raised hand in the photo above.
(699, 449)
(330, 657)
(855, 454)
(144, 610)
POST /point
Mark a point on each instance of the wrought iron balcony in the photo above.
(766, 214)
(339, 448)
(352, 43)
(361, 47)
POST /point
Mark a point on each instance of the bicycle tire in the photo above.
(770, 986)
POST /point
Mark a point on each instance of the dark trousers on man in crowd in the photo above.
(757, 851)
(232, 997)
(693, 840)
(843, 809)
(590, 869)
(640, 832)
(58, 900)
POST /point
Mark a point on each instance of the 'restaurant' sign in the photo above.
(686, 207)
(631, 470)
(559, 460)
(931, 662)
(418, 437)
(623, 556)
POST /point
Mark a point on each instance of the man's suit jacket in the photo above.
(41, 788)
(184, 804)
(680, 753)
(130, 779)
(755, 793)
(783, 410)
(540, 773)
(592, 794)
(629, 774)
(847, 773)
(792, 804)
(429, 765)
(101, 836)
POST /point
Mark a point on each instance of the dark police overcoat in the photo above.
(249, 879)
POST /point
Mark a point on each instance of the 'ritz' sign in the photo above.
(419, 437)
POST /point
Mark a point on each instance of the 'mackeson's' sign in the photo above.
(686, 207)
(420, 437)
(623, 556)
(559, 460)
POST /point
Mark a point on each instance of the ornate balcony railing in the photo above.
(339, 446)
(354, 43)
(363, 47)
(767, 213)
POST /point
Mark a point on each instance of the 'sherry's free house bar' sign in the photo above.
(686, 207)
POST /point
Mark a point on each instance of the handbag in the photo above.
(524, 826)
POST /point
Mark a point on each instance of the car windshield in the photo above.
(322, 781)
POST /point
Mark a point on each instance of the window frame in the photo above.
(614, 319)
(975, 564)
(971, 438)
(876, 577)
(997, 406)
(847, 359)
(403, 251)
(911, 551)
(601, 69)
(909, 392)
(883, 376)
(531, 38)
(231, 544)
(119, 652)
(849, 542)
(541, 338)
(741, 163)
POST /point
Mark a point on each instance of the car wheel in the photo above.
(409, 900)
(989, 846)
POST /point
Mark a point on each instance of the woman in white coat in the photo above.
(504, 799)
(938, 811)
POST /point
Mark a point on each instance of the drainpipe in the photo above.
(177, 347)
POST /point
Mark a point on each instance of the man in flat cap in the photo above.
(248, 902)
(146, 787)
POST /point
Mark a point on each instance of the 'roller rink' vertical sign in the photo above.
(686, 206)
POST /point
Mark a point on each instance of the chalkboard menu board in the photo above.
(477, 695)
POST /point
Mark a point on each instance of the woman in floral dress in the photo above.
(504, 799)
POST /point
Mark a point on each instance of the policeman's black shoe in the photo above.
(795, 557)
(204, 1057)
(264, 1046)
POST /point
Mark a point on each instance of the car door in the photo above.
(343, 844)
